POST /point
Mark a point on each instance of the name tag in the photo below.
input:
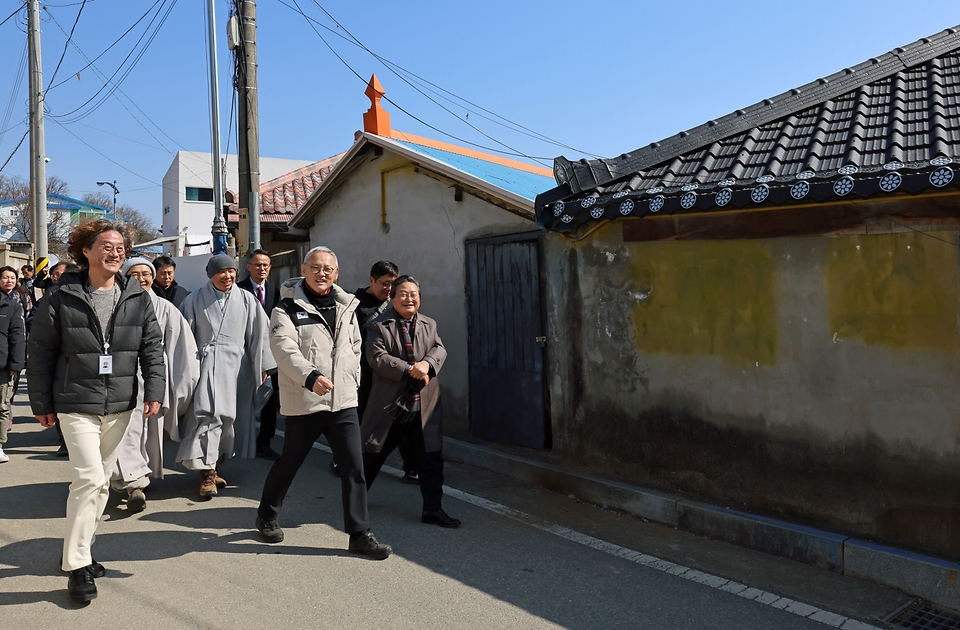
(302, 315)
(106, 364)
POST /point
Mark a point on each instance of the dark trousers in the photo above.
(342, 430)
(405, 447)
(429, 465)
(268, 416)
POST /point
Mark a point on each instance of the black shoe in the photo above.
(439, 518)
(96, 569)
(411, 477)
(62, 451)
(265, 452)
(333, 469)
(365, 544)
(81, 585)
(269, 530)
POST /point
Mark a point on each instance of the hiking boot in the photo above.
(269, 530)
(220, 481)
(81, 585)
(136, 500)
(366, 545)
(208, 484)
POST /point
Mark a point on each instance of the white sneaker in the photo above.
(4, 458)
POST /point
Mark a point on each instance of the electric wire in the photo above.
(105, 50)
(14, 92)
(65, 46)
(442, 93)
(111, 83)
(512, 152)
(9, 17)
(134, 104)
(17, 148)
(422, 93)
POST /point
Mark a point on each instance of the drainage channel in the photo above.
(923, 616)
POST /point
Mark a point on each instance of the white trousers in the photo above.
(94, 444)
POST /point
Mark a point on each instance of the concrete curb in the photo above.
(933, 579)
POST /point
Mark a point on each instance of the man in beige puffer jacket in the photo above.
(315, 340)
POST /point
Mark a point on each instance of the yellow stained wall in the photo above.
(708, 298)
(895, 290)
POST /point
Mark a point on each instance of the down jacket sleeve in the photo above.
(44, 352)
(151, 355)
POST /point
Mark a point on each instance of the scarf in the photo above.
(408, 404)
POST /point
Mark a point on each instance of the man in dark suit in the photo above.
(267, 293)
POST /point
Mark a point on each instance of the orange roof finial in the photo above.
(376, 120)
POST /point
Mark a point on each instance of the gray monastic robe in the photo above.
(234, 351)
(141, 452)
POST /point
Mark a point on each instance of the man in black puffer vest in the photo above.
(89, 338)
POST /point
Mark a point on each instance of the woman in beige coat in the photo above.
(406, 354)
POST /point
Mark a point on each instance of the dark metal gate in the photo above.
(506, 341)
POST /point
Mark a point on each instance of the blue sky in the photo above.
(602, 77)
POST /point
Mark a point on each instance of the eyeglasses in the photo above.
(386, 284)
(411, 296)
(317, 270)
(141, 274)
(107, 248)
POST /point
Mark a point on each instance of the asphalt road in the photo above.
(524, 558)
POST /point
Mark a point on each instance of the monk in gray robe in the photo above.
(141, 451)
(231, 331)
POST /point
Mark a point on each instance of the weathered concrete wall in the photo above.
(812, 377)
(427, 230)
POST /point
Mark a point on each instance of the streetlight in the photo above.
(116, 191)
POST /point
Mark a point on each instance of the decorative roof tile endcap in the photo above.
(376, 120)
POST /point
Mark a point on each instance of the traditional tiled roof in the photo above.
(280, 198)
(888, 125)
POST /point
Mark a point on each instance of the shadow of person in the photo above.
(39, 500)
(58, 597)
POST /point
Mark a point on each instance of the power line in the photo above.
(105, 50)
(65, 45)
(110, 83)
(14, 91)
(120, 101)
(17, 148)
(407, 81)
(9, 17)
(397, 69)
(513, 152)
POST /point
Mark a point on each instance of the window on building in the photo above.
(199, 194)
(166, 210)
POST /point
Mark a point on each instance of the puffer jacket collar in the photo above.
(293, 288)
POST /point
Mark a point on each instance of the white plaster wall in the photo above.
(426, 240)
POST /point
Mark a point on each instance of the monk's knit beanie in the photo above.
(139, 260)
(218, 263)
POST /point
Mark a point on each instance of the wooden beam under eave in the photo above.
(925, 213)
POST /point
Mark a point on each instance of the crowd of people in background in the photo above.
(120, 359)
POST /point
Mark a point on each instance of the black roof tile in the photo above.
(901, 107)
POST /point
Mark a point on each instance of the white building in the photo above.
(188, 197)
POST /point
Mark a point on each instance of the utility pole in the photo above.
(248, 133)
(38, 159)
(219, 230)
